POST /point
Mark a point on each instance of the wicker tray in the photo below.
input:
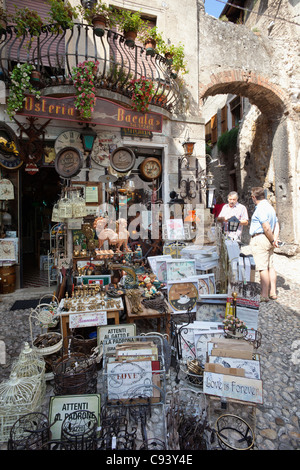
(155, 303)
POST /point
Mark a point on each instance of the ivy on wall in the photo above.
(228, 140)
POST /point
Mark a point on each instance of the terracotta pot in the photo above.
(99, 24)
(150, 46)
(169, 58)
(130, 37)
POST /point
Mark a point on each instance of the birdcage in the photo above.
(55, 214)
(78, 206)
(18, 397)
(65, 209)
(29, 364)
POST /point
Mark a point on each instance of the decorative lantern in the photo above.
(188, 147)
(55, 214)
(78, 207)
(233, 224)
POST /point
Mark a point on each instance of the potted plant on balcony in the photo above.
(84, 81)
(100, 16)
(20, 84)
(26, 22)
(179, 64)
(142, 93)
(130, 23)
(152, 40)
(62, 15)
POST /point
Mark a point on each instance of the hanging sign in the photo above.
(106, 113)
(31, 168)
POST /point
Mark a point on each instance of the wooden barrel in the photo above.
(7, 279)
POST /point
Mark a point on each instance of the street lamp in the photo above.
(88, 4)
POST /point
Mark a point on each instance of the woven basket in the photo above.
(75, 374)
(156, 303)
(49, 343)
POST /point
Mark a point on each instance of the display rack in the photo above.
(58, 250)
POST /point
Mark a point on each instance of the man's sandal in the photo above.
(273, 297)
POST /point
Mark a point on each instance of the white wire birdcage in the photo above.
(65, 210)
(18, 396)
(78, 206)
(29, 364)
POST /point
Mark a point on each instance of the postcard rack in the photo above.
(134, 372)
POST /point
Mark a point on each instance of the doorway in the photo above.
(39, 192)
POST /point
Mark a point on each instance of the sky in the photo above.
(214, 8)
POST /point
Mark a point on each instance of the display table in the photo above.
(111, 312)
(148, 314)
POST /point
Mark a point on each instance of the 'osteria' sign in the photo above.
(106, 113)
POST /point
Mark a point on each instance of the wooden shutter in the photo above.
(214, 129)
(224, 126)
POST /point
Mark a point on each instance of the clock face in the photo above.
(151, 168)
(68, 162)
(68, 139)
(9, 152)
(122, 159)
(183, 296)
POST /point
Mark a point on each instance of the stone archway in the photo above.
(272, 102)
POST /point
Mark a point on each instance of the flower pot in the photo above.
(150, 46)
(99, 25)
(169, 58)
(130, 37)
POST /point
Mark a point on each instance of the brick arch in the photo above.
(268, 97)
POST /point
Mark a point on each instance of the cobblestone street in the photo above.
(277, 419)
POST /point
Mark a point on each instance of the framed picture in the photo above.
(183, 295)
(91, 192)
(49, 154)
(180, 268)
(205, 284)
(175, 230)
(152, 260)
(161, 270)
(102, 280)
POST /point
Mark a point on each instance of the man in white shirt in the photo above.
(264, 231)
(233, 209)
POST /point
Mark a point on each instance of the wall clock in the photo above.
(150, 168)
(68, 139)
(68, 162)
(182, 296)
(6, 190)
(9, 148)
(122, 159)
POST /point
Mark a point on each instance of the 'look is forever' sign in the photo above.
(228, 386)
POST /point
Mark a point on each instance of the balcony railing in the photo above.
(55, 55)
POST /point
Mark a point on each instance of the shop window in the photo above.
(236, 110)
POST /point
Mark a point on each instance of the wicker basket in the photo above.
(155, 303)
(75, 374)
(47, 343)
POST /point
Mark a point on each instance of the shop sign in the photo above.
(106, 113)
(31, 168)
(136, 133)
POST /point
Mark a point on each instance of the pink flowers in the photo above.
(142, 94)
(83, 80)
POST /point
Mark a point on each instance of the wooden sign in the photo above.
(234, 387)
(128, 380)
(107, 113)
(61, 406)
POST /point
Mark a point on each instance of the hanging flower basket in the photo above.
(84, 81)
(142, 94)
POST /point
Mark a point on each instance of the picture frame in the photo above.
(182, 295)
(152, 260)
(180, 268)
(92, 192)
(214, 312)
(175, 229)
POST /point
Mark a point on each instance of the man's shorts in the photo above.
(263, 252)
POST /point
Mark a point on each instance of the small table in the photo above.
(149, 314)
(111, 313)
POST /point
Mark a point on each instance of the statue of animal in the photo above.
(123, 235)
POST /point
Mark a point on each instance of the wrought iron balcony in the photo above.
(55, 55)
